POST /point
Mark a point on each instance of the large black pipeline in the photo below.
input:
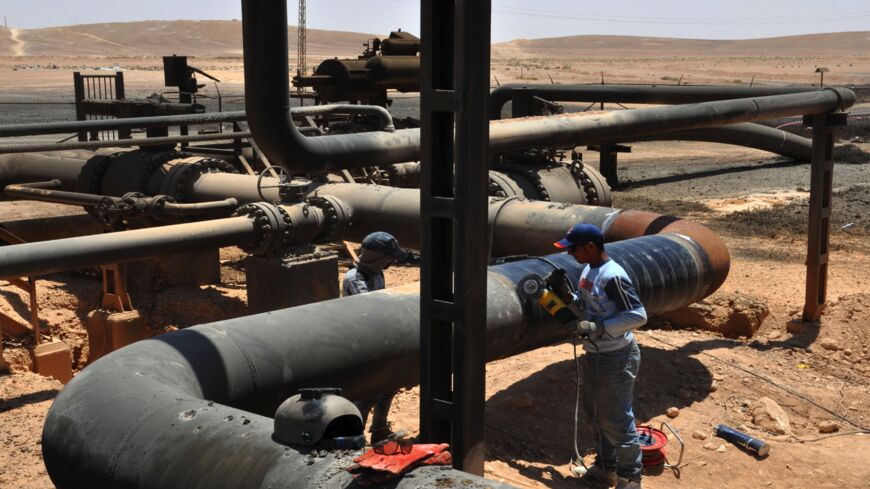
(189, 409)
(631, 94)
(267, 103)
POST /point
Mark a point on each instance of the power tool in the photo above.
(534, 288)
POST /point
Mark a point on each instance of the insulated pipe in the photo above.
(632, 94)
(165, 412)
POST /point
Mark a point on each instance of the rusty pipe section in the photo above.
(148, 415)
(518, 226)
(631, 94)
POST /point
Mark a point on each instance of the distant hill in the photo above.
(161, 38)
(224, 38)
(840, 43)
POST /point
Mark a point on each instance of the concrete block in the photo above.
(53, 359)
(109, 331)
(281, 282)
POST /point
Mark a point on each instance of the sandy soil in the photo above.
(755, 202)
(710, 379)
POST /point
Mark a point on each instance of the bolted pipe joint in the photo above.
(336, 217)
(272, 227)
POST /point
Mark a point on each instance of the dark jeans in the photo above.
(381, 404)
(607, 394)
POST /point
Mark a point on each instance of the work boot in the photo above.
(381, 433)
(595, 474)
(626, 483)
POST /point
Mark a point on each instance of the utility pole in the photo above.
(300, 44)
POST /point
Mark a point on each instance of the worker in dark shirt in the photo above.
(379, 251)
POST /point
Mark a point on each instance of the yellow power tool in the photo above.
(534, 288)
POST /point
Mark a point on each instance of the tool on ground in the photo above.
(652, 446)
(757, 447)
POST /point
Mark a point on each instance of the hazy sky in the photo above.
(512, 19)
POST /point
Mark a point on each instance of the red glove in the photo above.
(400, 462)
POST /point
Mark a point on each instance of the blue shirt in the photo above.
(606, 294)
(356, 282)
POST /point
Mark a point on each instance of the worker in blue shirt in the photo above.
(608, 308)
(379, 251)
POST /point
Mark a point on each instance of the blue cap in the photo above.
(579, 235)
(385, 244)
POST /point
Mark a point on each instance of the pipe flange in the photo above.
(181, 175)
(335, 215)
(578, 170)
(96, 183)
(534, 178)
(502, 185)
(272, 227)
(105, 212)
(154, 206)
(155, 162)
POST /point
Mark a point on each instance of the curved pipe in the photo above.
(749, 135)
(164, 413)
(631, 94)
(264, 31)
(267, 98)
(565, 130)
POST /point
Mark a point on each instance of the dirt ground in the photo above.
(757, 203)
